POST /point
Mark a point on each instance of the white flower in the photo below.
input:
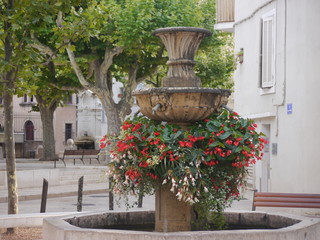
(179, 195)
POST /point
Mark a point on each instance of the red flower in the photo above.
(156, 133)
(129, 137)
(126, 125)
(192, 138)
(182, 143)
(143, 164)
(236, 143)
(122, 146)
(133, 174)
(136, 127)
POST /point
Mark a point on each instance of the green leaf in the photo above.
(178, 134)
(216, 143)
(211, 126)
(217, 123)
(137, 136)
(238, 149)
(225, 135)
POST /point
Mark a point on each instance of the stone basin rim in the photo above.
(224, 92)
(181, 29)
(61, 224)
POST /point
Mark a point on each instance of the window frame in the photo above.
(29, 130)
(67, 131)
(268, 69)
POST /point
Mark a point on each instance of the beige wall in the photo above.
(67, 114)
(22, 114)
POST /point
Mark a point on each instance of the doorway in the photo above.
(265, 166)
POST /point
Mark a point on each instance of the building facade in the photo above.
(277, 48)
(28, 131)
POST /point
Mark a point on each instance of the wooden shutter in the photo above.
(268, 50)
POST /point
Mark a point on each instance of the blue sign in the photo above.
(289, 108)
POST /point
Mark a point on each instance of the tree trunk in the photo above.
(9, 78)
(112, 113)
(10, 154)
(47, 114)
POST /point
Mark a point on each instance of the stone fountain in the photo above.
(182, 101)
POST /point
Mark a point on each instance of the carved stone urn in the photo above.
(182, 101)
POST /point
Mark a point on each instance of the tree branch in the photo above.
(76, 68)
(43, 49)
(72, 57)
(67, 88)
(90, 70)
(108, 58)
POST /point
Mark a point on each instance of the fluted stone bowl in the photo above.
(180, 105)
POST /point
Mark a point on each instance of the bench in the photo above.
(81, 155)
(91, 154)
(292, 200)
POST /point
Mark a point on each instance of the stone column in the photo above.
(172, 215)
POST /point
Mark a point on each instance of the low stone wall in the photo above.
(32, 178)
(302, 228)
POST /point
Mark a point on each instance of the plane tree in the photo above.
(19, 20)
(112, 40)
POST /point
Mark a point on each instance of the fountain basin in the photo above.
(87, 226)
(180, 105)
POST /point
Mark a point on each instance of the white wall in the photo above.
(296, 166)
(91, 116)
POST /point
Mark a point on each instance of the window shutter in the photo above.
(268, 51)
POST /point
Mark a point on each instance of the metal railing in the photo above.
(225, 11)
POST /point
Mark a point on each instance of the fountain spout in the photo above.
(155, 108)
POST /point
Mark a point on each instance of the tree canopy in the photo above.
(113, 39)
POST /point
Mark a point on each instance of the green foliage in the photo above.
(27, 21)
(129, 24)
(215, 62)
(204, 164)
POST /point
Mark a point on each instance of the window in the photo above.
(26, 100)
(68, 131)
(267, 51)
(29, 130)
(68, 99)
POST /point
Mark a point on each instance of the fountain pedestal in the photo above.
(171, 215)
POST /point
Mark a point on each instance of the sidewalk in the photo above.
(62, 181)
